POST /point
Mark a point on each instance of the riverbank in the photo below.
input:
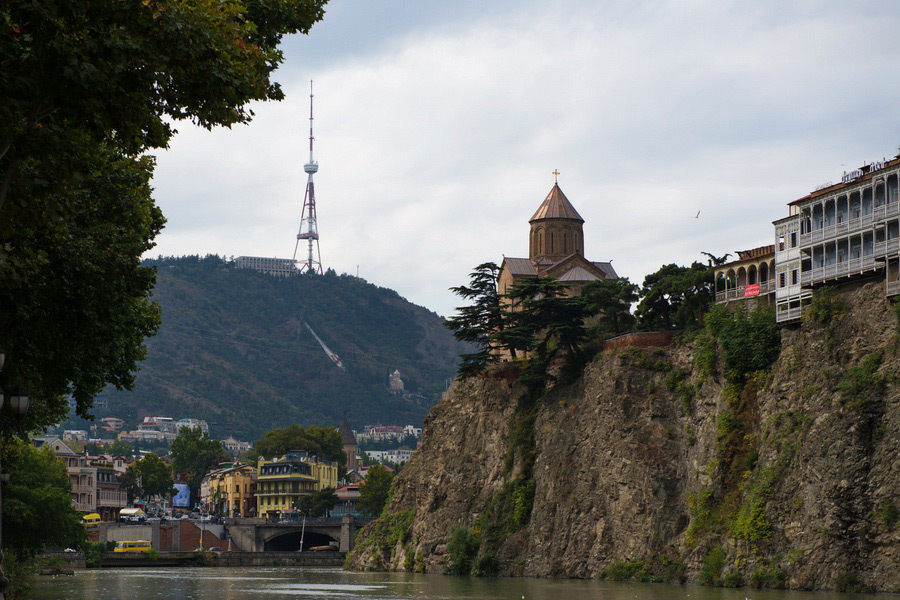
(76, 560)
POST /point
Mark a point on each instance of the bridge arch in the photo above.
(289, 541)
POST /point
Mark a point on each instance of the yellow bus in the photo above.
(136, 546)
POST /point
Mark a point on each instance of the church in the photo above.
(555, 248)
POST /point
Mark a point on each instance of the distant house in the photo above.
(348, 497)
(82, 476)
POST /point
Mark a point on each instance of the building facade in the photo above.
(837, 232)
(282, 267)
(235, 489)
(555, 248)
(281, 482)
(752, 275)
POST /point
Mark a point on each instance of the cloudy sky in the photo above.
(438, 126)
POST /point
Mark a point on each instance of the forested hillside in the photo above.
(233, 350)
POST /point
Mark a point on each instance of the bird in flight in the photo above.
(697, 216)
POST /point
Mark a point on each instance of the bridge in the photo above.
(257, 535)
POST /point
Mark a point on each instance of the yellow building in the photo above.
(282, 481)
(234, 489)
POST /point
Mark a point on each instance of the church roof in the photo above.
(579, 273)
(608, 269)
(520, 266)
(556, 206)
(347, 436)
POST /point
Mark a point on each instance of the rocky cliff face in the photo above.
(650, 467)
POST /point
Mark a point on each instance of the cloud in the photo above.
(437, 130)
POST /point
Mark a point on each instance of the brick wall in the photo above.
(189, 538)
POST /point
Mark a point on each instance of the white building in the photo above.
(395, 456)
(200, 424)
(282, 267)
(839, 231)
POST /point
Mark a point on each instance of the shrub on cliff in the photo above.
(462, 549)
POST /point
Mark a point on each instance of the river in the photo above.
(256, 583)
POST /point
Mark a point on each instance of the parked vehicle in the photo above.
(90, 519)
(133, 546)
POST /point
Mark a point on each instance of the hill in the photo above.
(233, 350)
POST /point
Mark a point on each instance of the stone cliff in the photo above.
(651, 467)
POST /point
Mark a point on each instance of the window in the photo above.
(782, 280)
(793, 239)
(794, 280)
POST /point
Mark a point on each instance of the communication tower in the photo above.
(308, 228)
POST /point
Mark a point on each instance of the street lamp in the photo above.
(18, 404)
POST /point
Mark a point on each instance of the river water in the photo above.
(257, 583)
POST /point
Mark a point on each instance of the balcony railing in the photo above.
(887, 247)
(886, 210)
(788, 315)
(835, 229)
(740, 291)
(848, 267)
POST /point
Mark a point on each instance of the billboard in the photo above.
(751, 290)
(183, 498)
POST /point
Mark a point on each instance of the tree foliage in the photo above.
(148, 477)
(749, 342)
(74, 303)
(267, 370)
(87, 88)
(318, 441)
(478, 322)
(675, 297)
(194, 453)
(318, 504)
(374, 492)
(609, 303)
(37, 507)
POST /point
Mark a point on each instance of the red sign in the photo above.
(751, 290)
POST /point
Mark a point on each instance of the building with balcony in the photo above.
(111, 497)
(82, 476)
(282, 481)
(235, 489)
(752, 275)
(840, 231)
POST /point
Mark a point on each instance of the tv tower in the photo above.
(308, 229)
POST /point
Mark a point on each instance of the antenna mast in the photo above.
(308, 228)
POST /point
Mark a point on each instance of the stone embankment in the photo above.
(649, 467)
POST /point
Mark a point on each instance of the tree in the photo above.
(74, 305)
(675, 297)
(120, 448)
(318, 504)
(544, 321)
(610, 302)
(194, 452)
(374, 492)
(318, 441)
(476, 324)
(148, 477)
(75, 74)
(37, 506)
(88, 87)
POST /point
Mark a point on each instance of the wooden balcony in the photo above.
(739, 293)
